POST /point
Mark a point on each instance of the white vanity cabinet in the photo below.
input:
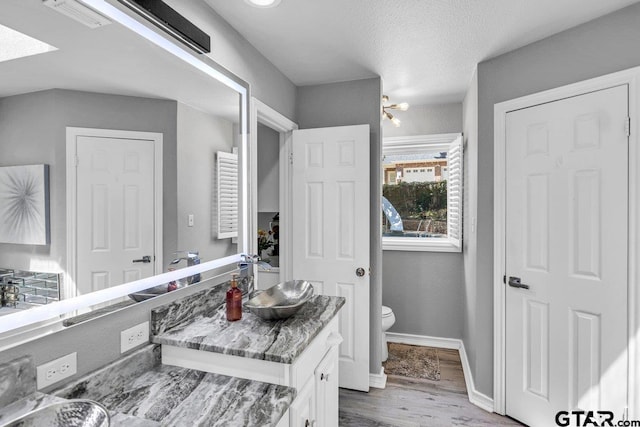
(314, 374)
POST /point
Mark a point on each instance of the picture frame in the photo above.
(24, 205)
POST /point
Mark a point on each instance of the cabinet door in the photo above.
(303, 409)
(326, 376)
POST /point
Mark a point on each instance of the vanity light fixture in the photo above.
(403, 106)
(263, 3)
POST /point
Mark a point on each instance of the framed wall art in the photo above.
(24, 205)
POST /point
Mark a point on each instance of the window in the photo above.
(422, 204)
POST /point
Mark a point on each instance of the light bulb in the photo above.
(395, 121)
(403, 106)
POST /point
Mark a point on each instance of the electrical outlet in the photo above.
(190, 220)
(134, 336)
(51, 372)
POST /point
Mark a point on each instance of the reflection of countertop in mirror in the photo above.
(277, 341)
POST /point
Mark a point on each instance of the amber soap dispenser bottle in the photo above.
(234, 301)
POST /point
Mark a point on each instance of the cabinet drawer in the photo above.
(326, 379)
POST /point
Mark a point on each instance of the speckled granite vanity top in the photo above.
(277, 341)
(138, 385)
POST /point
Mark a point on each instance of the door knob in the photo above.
(515, 282)
(359, 271)
(145, 259)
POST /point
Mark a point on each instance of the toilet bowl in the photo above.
(388, 319)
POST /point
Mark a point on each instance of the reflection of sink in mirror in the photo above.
(72, 413)
(42, 95)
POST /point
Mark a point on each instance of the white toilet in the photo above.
(388, 319)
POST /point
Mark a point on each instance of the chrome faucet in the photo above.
(246, 274)
(192, 258)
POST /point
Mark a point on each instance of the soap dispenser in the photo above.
(234, 301)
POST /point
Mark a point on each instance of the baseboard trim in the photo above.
(450, 343)
(477, 398)
(481, 400)
(378, 380)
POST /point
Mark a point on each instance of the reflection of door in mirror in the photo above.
(115, 208)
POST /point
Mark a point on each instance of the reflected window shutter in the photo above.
(227, 180)
(454, 192)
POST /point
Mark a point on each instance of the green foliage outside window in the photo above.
(417, 201)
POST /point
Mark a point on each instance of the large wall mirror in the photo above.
(131, 134)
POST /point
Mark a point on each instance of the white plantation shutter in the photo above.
(454, 192)
(227, 197)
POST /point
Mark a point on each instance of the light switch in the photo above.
(190, 220)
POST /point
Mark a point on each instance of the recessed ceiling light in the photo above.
(263, 3)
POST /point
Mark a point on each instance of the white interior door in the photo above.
(567, 239)
(330, 216)
(114, 211)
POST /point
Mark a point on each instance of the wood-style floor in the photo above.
(418, 402)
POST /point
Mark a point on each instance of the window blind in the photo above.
(454, 192)
(227, 196)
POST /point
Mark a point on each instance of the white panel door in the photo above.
(115, 211)
(330, 216)
(567, 235)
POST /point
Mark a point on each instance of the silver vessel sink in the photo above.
(72, 413)
(281, 301)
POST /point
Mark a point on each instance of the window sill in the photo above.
(420, 244)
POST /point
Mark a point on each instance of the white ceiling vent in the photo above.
(79, 12)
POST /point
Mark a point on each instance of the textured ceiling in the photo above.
(425, 50)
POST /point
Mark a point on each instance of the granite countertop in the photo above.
(169, 396)
(277, 341)
(38, 400)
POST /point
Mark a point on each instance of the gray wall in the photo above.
(268, 170)
(602, 46)
(355, 103)
(425, 289)
(200, 137)
(426, 120)
(33, 130)
(232, 51)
